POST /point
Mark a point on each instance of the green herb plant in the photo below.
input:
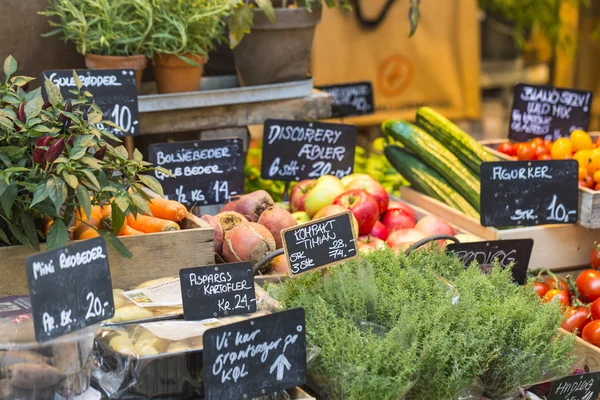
(103, 27)
(56, 164)
(388, 326)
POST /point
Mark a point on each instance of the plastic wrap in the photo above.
(57, 369)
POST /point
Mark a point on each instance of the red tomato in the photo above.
(548, 145)
(595, 256)
(540, 150)
(591, 333)
(597, 187)
(588, 283)
(588, 182)
(557, 295)
(595, 309)
(576, 318)
(597, 142)
(545, 156)
(508, 149)
(527, 151)
(538, 141)
(540, 288)
(558, 283)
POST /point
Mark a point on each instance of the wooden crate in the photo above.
(419, 213)
(587, 354)
(155, 255)
(555, 246)
(589, 200)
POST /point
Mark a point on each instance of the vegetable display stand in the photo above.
(587, 352)
(155, 255)
(555, 246)
(589, 200)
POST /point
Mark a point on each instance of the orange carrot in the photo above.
(167, 209)
(147, 224)
(126, 230)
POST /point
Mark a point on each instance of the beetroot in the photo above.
(229, 220)
(248, 242)
(218, 232)
(275, 219)
(250, 205)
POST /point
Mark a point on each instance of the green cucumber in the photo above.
(426, 180)
(437, 157)
(461, 144)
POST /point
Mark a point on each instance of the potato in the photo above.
(31, 376)
(22, 357)
(119, 299)
(70, 358)
(131, 313)
(125, 349)
(156, 343)
(119, 341)
(147, 351)
(178, 347)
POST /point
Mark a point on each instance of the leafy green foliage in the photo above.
(103, 27)
(35, 189)
(424, 327)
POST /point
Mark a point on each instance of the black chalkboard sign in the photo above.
(526, 193)
(205, 171)
(517, 252)
(548, 112)
(319, 244)
(296, 150)
(217, 291)
(70, 288)
(349, 99)
(576, 387)
(255, 357)
(114, 90)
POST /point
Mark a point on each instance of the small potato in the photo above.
(147, 351)
(22, 357)
(120, 341)
(156, 343)
(31, 376)
(131, 313)
(119, 299)
(125, 349)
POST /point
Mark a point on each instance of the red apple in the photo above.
(403, 238)
(396, 219)
(370, 243)
(363, 206)
(374, 188)
(431, 226)
(334, 209)
(298, 194)
(379, 231)
(403, 206)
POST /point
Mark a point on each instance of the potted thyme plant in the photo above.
(109, 33)
(183, 33)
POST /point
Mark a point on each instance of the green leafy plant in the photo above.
(55, 163)
(387, 326)
(188, 27)
(103, 27)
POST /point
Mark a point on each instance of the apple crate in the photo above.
(589, 200)
(155, 255)
(419, 213)
(554, 246)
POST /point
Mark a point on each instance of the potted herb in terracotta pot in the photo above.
(110, 33)
(183, 33)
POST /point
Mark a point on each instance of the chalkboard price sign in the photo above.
(350, 99)
(70, 288)
(576, 387)
(114, 90)
(255, 357)
(516, 251)
(548, 112)
(217, 291)
(319, 244)
(296, 150)
(204, 172)
(526, 193)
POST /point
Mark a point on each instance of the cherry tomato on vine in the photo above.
(527, 151)
(545, 156)
(595, 256)
(583, 172)
(591, 333)
(557, 295)
(558, 283)
(548, 145)
(540, 288)
(508, 149)
(597, 142)
(538, 141)
(588, 182)
(576, 318)
(595, 309)
(588, 283)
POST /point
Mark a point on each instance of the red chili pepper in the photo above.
(101, 153)
(55, 150)
(70, 140)
(68, 107)
(39, 155)
(43, 140)
(21, 112)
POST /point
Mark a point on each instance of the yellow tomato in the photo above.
(583, 172)
(594, 162)
(583, 157)
(561, 149)
(581, 140)
(597, 176)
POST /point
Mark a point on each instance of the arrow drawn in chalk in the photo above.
(281, 363)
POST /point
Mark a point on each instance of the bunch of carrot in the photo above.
(164, 218)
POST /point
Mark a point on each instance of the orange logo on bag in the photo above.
(394, 75)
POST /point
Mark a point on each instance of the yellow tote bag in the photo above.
(439, 66)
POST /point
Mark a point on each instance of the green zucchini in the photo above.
(461, 144)
(437, 157)
(426, 180)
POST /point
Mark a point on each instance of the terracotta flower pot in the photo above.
(137, 63)
(173, 75)
(278, 52)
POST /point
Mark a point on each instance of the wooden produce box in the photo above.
(555, 246)
(155, 255)
(589, 200)
(419, 213)
(587, 353)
